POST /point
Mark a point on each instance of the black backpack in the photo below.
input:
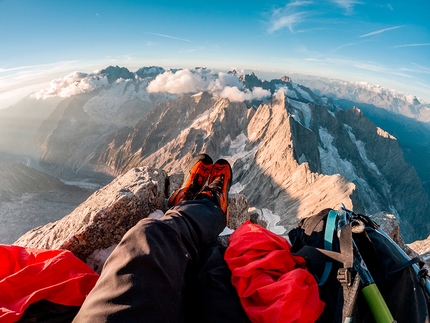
(339, 244)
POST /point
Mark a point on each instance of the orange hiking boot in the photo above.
(219, 184)
(199, 170)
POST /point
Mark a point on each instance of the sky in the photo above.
(384, 43)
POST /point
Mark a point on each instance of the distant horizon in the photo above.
(385, 44)
(261, 74)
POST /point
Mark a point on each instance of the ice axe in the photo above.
(371, 293)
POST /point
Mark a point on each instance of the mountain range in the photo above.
(404, 116)
(294, 149)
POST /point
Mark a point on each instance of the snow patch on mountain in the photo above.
(236, 146)
(305, 95)
(110, 99)
(236, 151)
(361, 147)
(331, 162)
(362, 150)
(236, 188)
(306, 111)
(106, 104)
(272, 219)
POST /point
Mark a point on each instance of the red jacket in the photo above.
(272, 284)
(29, 275)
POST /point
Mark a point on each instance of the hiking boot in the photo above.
(219, 184)
(199, 170)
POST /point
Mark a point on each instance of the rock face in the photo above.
(259, 144)
(103, 219)
(291, 157)
(383, 179)
(403, 116)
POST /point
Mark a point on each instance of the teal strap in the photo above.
(330, 228)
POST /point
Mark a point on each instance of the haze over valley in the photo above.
(293, 152)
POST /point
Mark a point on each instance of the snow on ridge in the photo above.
(110, 99)
(362, 150)
(302, 92)
(331, 162)
(306, 110)
(202, 121)
(236, 148)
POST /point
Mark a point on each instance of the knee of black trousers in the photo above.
(208, 216)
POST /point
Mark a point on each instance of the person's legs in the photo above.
(147, 275)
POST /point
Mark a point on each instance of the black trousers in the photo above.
(167, 270)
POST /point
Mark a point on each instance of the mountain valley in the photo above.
(293, 152)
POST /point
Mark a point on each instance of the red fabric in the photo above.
(272, 284)
(29, 275)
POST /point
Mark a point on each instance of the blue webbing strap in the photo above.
(330, 228)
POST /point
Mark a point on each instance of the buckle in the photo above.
(422, 276)
(344, 276)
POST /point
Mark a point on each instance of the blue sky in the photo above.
(380, 42)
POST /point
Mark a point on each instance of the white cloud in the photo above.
(182, 81)
(347, 4)
(223, 80)
(171, 37)
(288, 17)
(218, 84)
(288, 21)
(72, 84)
(380, 31)
(233, 94)
(412, 45)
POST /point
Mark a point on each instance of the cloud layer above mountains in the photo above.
(72, 84)
(218, 84)
(174, 82)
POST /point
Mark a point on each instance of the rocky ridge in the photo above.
(96, 226)
(93, 229)
(290, 157)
